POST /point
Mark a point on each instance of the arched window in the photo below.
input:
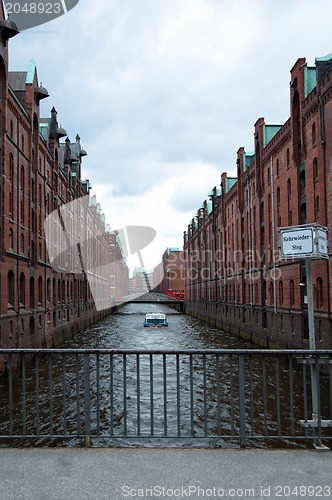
(22, 211)
(11, 168)
(11, 289)
(271, 293)
(48, 289)
(22, 180)
(22, 243)
(313, 134)
(10, 207)
(54, 291)
(281, 293)
(32, 293)
(289, 189)
(315, 169)
(40, 291)
(11, 239)
(291, 293)
(22, 290)
(287, 159)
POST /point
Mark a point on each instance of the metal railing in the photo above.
(120, 397)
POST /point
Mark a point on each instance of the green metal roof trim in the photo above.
(324, 58)
(43, 129)
(31, 72)
(172, 249)
(209, 206)
(309, 80)
(269, 132)
(230, 181)
(248, 158)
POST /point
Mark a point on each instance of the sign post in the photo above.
(308, 242)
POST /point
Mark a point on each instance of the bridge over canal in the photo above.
(154, 298)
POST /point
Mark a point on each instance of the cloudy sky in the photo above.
(164, 92)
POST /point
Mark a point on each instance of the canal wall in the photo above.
(264, 328)
(69, 321)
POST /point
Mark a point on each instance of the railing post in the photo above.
(242, 403)
(87, 408)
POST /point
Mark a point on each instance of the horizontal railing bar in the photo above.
(288, 352)
(162, 436)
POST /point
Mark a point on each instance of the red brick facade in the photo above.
(171, 271)
(234, 276)
(42, 304)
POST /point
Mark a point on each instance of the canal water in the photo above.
(125, 330)
(53, 400)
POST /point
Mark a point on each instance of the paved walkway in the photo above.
(119, 473)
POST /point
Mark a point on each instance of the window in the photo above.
(10, 195)
(54, 291)
(271, 293)
(11, 168)
(281, 293)
(48, 288)
(287, 159)
(22, 179)
(32, 293)
(315, 169)
(22, 290)
(22, 211)
(11, 289)
(10, 234)
(22, 243)
(313, 134)
(40, 290)
(289, 189)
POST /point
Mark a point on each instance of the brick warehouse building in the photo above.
(42, 304)
(235, 278)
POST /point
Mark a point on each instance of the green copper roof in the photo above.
(248, 158)
(31, 72)
(230, 181)
(269, 132)
(309, 80)
(324, 58)
(43, 128)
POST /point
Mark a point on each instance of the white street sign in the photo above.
(303, 242)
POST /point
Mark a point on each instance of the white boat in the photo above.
(154, 320)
